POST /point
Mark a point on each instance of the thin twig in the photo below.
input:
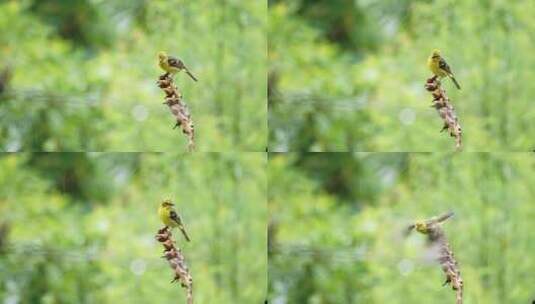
(442, 104)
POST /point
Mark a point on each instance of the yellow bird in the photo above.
(440, 68)
(425, 226)
(170, 217)
(172, 65)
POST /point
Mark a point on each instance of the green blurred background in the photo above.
(337, 222)
(79, 228)
(80, 75)
(349, 75)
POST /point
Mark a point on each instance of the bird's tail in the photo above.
(190, 75)
(455, 82)
(184, 232)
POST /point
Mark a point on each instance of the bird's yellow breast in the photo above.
(421, 227)
(434, 66)
(164, 65)
(165, 216)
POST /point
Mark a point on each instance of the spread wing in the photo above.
(440, 218)
(445, 216)
(408, 230)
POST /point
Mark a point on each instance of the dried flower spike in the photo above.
(179, 109)
(446, 111)
(176, 261)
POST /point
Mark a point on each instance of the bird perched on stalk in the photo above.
(170, 217)
(172, 65)
(437, 64)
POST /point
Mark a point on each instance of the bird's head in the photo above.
(421, 227)
(167, 203)
(162, 55)
(435, 53)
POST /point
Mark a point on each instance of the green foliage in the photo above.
(84, 74)
(78, 20)
(79, 228)
(325, 248)
(358, 26)
(333, 98)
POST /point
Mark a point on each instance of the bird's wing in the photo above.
(440, 218)
(409, 229)
(175, 62)
(175, 217)
(444, 66)
(445, 216)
